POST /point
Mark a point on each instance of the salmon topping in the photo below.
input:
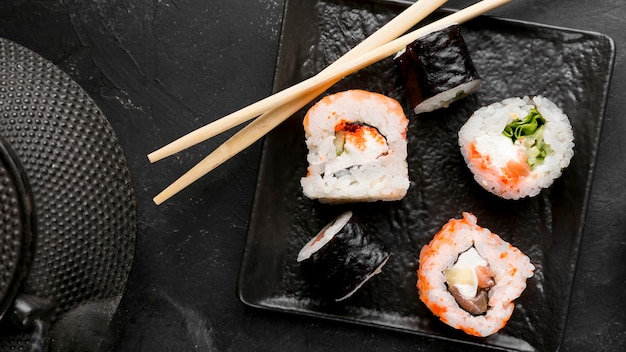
(469, 280)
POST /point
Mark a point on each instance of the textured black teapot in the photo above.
(68, 212)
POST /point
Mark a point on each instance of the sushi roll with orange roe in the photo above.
(357, 148)
(518, 146)
(469, 277)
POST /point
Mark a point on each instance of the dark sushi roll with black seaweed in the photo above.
(342, 257)
(438, 70)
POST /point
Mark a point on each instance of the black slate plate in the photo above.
(570, 67)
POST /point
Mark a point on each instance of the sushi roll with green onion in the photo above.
(517, 146)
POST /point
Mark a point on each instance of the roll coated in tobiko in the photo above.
(342, 257)
(518, 146)
(469, 277)
(438, 70)
(357, 148)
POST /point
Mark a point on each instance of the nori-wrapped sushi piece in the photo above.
(438, 69)
(342, 257)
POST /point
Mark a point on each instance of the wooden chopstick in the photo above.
(317, 85)
(398, 25)
(270, 119)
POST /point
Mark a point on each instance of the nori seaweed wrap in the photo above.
(438, 69)
(342, 257)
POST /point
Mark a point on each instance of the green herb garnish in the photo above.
(529, 132)
(526, 127)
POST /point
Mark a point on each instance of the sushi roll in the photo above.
(438, 70)
(518, 146)
(357, 148)
(342, 257)
(469, 277)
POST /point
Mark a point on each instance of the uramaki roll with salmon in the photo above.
(518, 146)
(357, 148)
(469, 277)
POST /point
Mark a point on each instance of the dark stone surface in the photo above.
(158, 69)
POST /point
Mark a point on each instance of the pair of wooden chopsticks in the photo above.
(278, 107)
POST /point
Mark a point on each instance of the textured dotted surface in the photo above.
(12, 228)
(83, 196)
